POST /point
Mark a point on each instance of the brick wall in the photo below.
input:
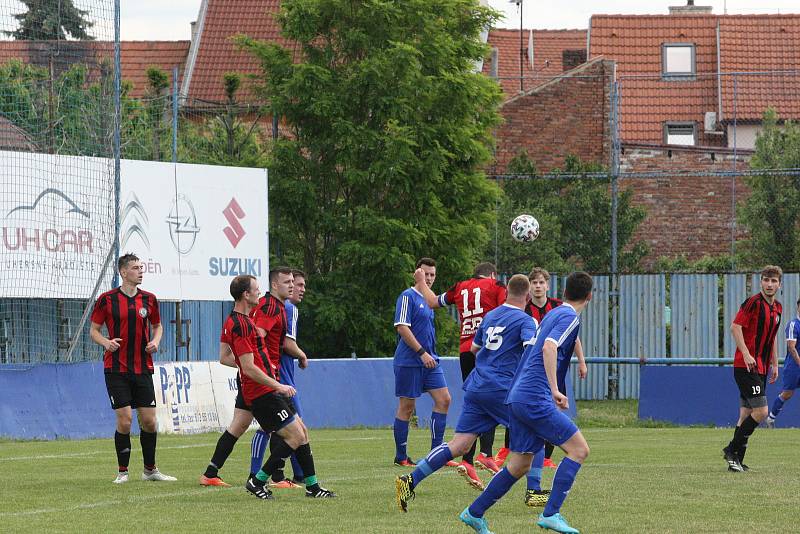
(568, 115)
(686, 215)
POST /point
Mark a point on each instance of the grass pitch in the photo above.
(638, 478)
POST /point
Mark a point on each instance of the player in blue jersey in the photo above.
(416, 365)
(290, 352)
(497, 346)
(534, 415)
(791, 369)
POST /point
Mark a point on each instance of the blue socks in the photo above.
(435, 460)
(400, 439)
(438, 422)
(535, 474)
(562, 482)
(297, 471)
(257, 448)
(777, 406)
(498, 486)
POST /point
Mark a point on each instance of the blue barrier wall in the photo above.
(69, 400)
(700, 395)
(51, 401)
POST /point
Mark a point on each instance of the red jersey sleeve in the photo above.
(241, 341)
(155, 314)
(448, 297)
(265, 316)
(100, 311)
(746, 311)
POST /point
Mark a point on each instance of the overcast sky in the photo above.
(169, 19)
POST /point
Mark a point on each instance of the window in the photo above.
(677, 60)
(679, 133)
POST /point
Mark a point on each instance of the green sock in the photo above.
(261, 475)
(311, 481)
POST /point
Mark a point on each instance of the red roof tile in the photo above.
(216, 54)
(548, 47)
(135, 56)
(747, 43)
(760, 43)
(646, 100)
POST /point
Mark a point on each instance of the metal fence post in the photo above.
(613, 368)
(117, 126)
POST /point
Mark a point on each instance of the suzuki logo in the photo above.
(233, 212)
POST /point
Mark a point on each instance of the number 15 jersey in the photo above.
(473, 298)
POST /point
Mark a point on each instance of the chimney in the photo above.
(494, 65)
(193, 25)
(690, 9)
(572, 58)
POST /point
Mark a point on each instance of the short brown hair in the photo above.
(430, 262)
(273, 273)
(538, 271)
(485, 269)
(125, 259)
(240, 284)
(578, 286)
(518, 286)
(297, 273)
(771, 271)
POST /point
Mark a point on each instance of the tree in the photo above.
(224, 138)
(51, 20)
(390, 128)
(770, 212)
(574, 214)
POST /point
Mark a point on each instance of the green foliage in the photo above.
(574, 214)
(50, 20)
(705, 265)
(390, 127)
(770, 212)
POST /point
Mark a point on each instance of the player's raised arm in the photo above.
(430, 297)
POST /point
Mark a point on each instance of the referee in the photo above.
(129, 314)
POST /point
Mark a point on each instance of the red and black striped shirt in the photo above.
(760, 321)
(538, 312)
(240, 334)
(127, 318)
(270, 315)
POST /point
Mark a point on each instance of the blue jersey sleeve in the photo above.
(402, 310)
(291, 322)
(527, 333)
(792, 330)
(564, 326)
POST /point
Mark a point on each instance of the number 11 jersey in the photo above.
(473, 298)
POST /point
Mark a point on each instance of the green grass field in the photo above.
(638, 478)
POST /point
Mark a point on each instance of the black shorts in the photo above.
(752, 387)
(467, 360)
(272, 411)
(125, 389)
(240, 403)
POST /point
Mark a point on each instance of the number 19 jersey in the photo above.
(473, 298)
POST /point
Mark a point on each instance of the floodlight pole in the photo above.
(117, 126)
(521, 49)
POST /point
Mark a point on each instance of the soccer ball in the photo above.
(525, 228)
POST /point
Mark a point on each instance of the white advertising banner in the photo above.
(194, 397)
(57, 220)
(194, 226)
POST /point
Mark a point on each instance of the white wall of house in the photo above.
(745, 135)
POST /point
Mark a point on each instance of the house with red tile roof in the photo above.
(136, 57)
(687, 77)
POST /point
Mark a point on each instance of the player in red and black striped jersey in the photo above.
(267, 398)
(473, 298)
(133, 323)
(754, 330)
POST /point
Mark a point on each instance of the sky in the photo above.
(169, 19)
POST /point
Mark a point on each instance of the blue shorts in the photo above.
(482, 412)
(791, 377)
(411, 382)
(530, 430)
